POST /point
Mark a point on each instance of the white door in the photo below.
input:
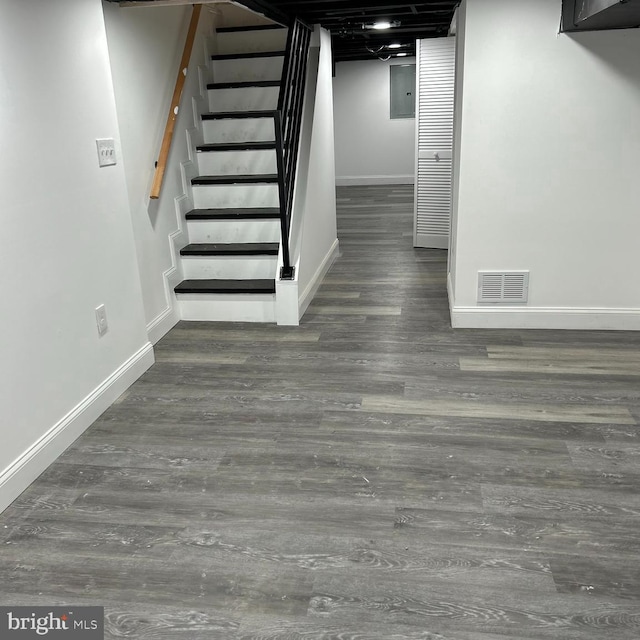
(435, 79)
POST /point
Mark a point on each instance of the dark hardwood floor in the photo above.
(371, 474)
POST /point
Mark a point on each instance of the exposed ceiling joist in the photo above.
(351, 21)
(163, 3)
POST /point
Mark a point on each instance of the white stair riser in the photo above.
(251, 41)
(227, 307)
(228, 231)
(229, 267)
(224, 163)
(247, 69)
(240, 130)
(243, 99)
(235, 195)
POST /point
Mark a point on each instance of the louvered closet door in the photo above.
(435, 77)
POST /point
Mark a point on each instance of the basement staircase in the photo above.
(230, 263)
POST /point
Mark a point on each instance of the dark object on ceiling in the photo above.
(351, 23)
(596, 15)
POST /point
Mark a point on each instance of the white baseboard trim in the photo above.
(545, 318)
(450, 295)
(27, 467)
(162, 324)
(170, 316)
(348, 181)
(311, 289)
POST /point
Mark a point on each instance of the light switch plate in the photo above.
(106, 151)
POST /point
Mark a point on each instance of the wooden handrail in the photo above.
(161, 165)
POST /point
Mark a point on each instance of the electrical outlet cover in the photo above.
(101, 320)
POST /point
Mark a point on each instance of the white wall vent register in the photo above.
(503, 287)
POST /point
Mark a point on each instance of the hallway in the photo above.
(371, 474)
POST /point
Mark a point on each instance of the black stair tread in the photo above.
(243, 85)
(252, 213)
(250, 27)
(258, 178)
(234, 115)
(231, 249)
(226, 286)
(237, 146)
(252, 54)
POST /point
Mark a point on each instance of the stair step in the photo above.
(232, 249)
(245, 39)
(243, 85)
(226, 286)
(250, 66)
(252, 54)
(238, 126)
(268, 178)
(237, 146)
(257, 213)
(251, 27)
(233, 115)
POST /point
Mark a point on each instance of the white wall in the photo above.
(460, 25)
(145, 46)
(66, 243)
(548, 167)
(319, 237)
(370, 147)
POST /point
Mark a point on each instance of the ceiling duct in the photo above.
(596, 15)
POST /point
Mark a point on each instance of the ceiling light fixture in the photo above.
(400, 55)
(395, 45)
(380, 25)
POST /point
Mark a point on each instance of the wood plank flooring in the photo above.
(371, 474)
